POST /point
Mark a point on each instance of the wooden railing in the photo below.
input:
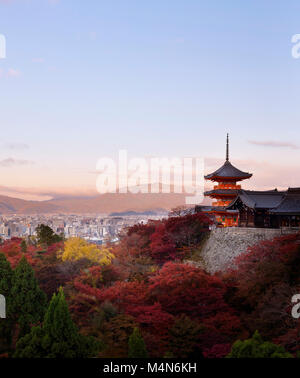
(227, 186)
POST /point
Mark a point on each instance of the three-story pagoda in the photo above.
(226, 190)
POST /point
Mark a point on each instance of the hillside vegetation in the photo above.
(139, 297)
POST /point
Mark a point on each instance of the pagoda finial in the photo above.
(227, 148)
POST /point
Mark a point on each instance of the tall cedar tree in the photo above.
(136, 345)
(185, 337)
(23, 246)
(58, 337)
(46, 236)
(6, 275)
(29, 301)
(257, 348)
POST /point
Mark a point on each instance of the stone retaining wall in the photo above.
(225, 244)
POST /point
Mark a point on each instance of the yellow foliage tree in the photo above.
(77, 248)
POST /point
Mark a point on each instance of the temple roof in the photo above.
(253, 199)
(224, 192)
(228, 171)
(276, 202)
(204, 208)
(290, 203)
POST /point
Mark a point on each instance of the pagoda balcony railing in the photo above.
(227, 186)
(221, 203)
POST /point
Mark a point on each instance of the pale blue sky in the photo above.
(83, 79)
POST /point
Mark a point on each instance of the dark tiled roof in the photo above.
(209, 208)
(293, 191)
(290, 203)
(259, 200)
(228, 171)
(277, 202)
(200, 208)
(222, 192)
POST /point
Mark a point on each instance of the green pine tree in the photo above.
(46, 236)
(58, 337)
(23, 246)
(6, 325)
(257, 348)
(6, 274)
(29, 301)
(136, 345)
(184, 338)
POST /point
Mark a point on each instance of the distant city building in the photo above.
(96, 229)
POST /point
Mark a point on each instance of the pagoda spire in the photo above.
(227, 148)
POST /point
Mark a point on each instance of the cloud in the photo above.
(274, 144)
(16, 146)
(10, 162)
(13, 72)
(42, 194)
(26, 194)
(38, 60)
(10, 73)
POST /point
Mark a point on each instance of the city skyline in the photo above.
(84, 80)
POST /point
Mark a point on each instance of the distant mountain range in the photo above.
(139, 213)
(105, 203)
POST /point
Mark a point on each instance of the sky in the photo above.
(84, 79)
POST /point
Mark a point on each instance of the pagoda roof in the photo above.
(228, 171)
(253, 199)
(215, 209)
(225, 192)
(205, 208)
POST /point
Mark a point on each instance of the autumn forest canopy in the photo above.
(147, 296)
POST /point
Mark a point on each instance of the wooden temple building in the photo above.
(234, 207)
(269, 209)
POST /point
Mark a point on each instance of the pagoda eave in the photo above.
(222, 211)
(226, 198)
(229, 179)
(222, 193)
